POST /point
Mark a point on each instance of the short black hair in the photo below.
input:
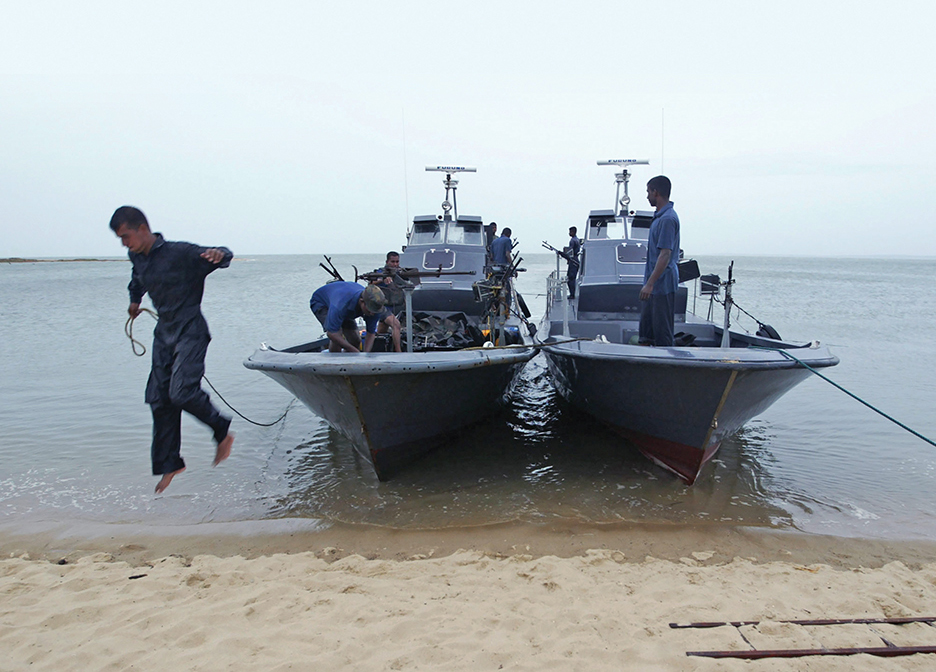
(573, 230)
(506, 232)
(127, 214)
(660, 184)
(392, 254)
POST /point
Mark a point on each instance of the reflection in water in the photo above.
(536, 460)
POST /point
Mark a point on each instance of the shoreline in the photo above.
(142, 544)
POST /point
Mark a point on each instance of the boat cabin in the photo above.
(443, 242)
(613, 259)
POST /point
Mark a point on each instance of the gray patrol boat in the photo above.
(675, 404)
(465, 338)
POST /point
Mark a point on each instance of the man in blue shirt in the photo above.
(337, 304)
(173, 274)
(661, 274)
(500, 249)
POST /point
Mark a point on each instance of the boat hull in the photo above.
(394, 407)
(676, 404)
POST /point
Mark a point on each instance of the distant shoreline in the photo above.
(21, 260)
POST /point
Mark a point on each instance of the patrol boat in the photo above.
(465, 340)
(675, 404)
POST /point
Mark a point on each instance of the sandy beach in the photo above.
(565, 597)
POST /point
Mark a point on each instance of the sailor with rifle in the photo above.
(571, 257)
(391, 284)
(575, 246)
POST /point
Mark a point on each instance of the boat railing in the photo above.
(555, 287)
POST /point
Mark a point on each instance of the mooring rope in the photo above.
(253, 422)
(134, 344)
(853, 396)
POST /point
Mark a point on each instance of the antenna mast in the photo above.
(450, 184)
(622, 178)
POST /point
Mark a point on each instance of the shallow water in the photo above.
(74, 431)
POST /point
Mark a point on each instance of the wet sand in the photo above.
(142, 544)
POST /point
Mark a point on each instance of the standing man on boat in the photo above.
(575, 246)
(337, 305)
(490, 233)
(173, 274)
(391, 284)
(500, 249)
(661, 274)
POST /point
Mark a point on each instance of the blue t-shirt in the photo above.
(664, 235)
(500, 250)
(340, 299)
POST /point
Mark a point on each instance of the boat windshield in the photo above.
(464, 233)
(426, 233)
(606, 229)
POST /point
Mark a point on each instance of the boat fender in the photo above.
(767, 331)
(523, 306)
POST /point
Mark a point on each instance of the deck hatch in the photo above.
(444, 259)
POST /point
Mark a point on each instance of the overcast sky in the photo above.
(305, 127)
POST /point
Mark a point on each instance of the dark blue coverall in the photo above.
(575, 246)
(173, 274)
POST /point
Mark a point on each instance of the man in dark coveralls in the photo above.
(575, 246)
(173, 273)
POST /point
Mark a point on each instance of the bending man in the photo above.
(337, 304)
(173, 274)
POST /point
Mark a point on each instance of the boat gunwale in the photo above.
(727, 358)
(385, 363)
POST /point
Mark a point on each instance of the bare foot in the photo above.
(166, 480)
(224, 450)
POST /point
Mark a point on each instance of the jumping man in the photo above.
(173, 274)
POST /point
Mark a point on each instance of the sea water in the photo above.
(75, 432)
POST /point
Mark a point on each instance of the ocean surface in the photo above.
(75, 432)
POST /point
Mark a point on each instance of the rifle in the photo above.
(331, 271)
(406, 274)
(565, 255)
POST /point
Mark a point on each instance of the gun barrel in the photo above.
(413, 274)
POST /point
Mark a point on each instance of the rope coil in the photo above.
(128, 330)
